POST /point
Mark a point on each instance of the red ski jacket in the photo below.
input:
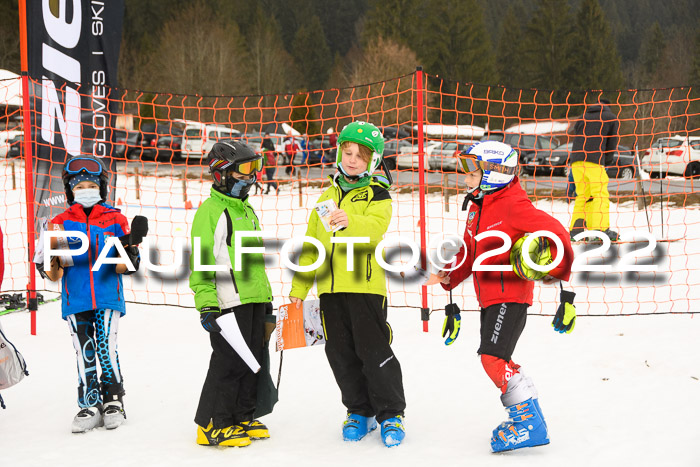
(510, 211)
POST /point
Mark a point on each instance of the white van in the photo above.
(199, 138)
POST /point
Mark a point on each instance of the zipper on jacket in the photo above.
(340, 200)
(233, 279)
(65, 286)
(331, 264)
(476, 277)
(369, 266)
(92, 280)
(502, 288)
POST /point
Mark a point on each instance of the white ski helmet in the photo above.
(498, 161)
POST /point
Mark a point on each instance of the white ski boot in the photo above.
(87, 419)
(114, 415)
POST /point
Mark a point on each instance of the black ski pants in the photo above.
(230, 388)
(358, 340)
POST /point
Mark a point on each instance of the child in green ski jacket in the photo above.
(353, 302)
(228, 400)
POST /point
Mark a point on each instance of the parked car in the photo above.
(402, 132)
(321, 151)
(126, 143)
(5, 137)
(254, 140)
(199, 138)
(526, 145)
(623, 164)
(677, 155)
(443, 156)
(553, 163)
(162, 141)
(408, 158)
(392, 148)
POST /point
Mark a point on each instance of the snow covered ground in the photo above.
(617, 391)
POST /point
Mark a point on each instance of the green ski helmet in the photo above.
(366, 134)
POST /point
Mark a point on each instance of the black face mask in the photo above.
(239, 188)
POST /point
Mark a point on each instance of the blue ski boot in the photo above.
(524, 429)
(393, 431)
(526, 426)
(356, 427)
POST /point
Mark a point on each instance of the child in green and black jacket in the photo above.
(353, 302)
(228, 401)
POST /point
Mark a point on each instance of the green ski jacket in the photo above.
(369, 214)
(215, 224)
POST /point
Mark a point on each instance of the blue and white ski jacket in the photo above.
(83, 289)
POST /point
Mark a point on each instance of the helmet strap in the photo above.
(476, 195)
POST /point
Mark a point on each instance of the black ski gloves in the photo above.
(207, 316)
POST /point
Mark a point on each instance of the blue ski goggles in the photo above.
(83, 164)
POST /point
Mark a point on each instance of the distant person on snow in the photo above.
(595, 143)
(291, 148)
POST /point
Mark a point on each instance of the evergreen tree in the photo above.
(303, 115)
(547, 44)
(312, 55)
(597, 62)
(9, 41)
(339, 19)
(694, 78)
(456, 44)
(290, 16)
(398, 20)
(652, 52)
(509, 51)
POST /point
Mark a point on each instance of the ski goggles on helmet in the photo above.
(243, 168)
(470, 163)
(247, 168)
(82, 164)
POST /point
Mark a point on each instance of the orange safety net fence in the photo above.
(161, 141)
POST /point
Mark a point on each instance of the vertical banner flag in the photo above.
(72, 56)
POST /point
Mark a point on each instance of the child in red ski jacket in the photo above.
(498, 203)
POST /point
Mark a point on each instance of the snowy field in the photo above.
(617, 391)
(620, 390)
